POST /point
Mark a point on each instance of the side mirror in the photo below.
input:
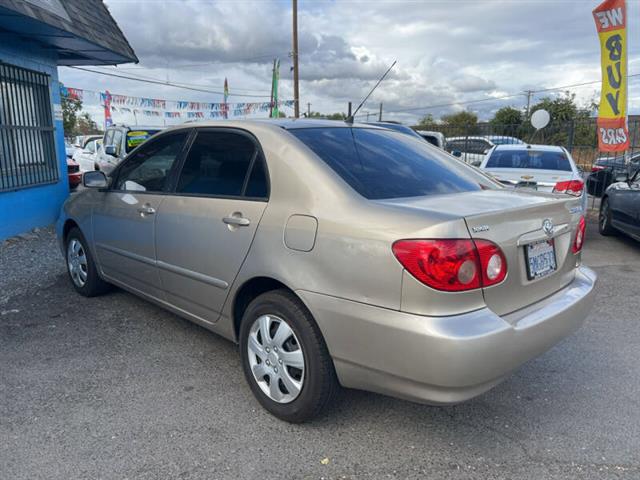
(95, 179)
(456, 153)
(476, 163)
(110, 150)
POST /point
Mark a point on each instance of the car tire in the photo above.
(604, 218)
(81, 266)
(300, 394)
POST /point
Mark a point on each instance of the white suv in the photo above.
(118, 141)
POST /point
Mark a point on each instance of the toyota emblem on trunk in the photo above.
(547, 227)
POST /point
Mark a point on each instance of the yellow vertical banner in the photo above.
(611, 22)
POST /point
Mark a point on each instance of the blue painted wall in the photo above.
(37, 206)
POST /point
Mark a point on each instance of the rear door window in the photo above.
(381, 164)
(219, 164)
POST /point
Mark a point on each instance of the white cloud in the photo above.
(447, 52)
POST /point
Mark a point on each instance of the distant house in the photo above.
(36, 36)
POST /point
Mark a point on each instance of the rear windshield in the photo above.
(530, 159)
(136, 137)
(381, 164)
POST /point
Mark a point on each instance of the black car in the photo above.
(620, 207)
(606, 169)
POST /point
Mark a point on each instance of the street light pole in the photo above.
(296, 91)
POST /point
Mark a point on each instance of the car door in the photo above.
(625, 205)
(205, 227)
(124, 215)
(86, 155)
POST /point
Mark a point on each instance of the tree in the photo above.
(426, 121)
(85, 125)
(461, 123)
(507, 116)
(333, 116)
(571, 123)
(70, 109)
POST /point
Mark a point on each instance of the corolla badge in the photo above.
(547, 227)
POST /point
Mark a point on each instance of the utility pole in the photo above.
(296, 91)
(273, 72)
(529, 94)
(380, 114)
(308, 110)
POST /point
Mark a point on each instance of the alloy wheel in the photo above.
(276, 358)
(77, 262)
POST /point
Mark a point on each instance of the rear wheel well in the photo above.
(250, 290)
(68, 225)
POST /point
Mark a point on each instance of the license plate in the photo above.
(541, 259)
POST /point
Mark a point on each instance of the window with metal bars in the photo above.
(27, 146)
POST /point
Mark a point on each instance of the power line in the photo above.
(503, 97)
(169, 84)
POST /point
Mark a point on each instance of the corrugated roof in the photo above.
(86, 35)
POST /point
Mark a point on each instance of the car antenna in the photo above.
(350, 118)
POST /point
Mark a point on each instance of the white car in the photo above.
(544, 168)
(470, 149)
(434, 138)
(87, 157)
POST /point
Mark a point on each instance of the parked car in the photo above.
(334, 254)
(470, 149)
(398, 127)
(119, 141)
(74, 174)
(503, 140)
(544, 168)
(87, 157)
(69, 149)
(434, 138)
(606, 169)
(620, 207)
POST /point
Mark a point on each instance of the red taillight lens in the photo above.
(596, 168)
(578, 242)
(492, 261)
(452, 265)
(570, 187)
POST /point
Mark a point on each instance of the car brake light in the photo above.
(597, 168)
(578, 242)
(493, 262)
(452, 265)
(570, 187)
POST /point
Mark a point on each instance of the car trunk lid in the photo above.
(542, 180)
(513, 220)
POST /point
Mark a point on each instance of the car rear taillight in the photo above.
(492, 261)
(570, 187)
(597, 168)
(578, 241)
(452, 265)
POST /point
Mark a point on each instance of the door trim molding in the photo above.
(201, 277)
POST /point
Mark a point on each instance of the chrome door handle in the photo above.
(237, 221)
(146, 210)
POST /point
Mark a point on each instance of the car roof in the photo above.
(525, 146)
(469, 137)
(138, 127)
(284, 123)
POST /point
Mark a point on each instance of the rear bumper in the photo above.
(443, 360)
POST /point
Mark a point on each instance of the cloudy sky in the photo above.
(448, 52)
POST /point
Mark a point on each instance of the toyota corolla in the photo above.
(335, 254)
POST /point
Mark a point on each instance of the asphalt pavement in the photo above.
(116, 388)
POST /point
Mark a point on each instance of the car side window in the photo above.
(148, 169)
(477, 146)
(108, 137)
(218, 164)
(117, 141)
(91, 146)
